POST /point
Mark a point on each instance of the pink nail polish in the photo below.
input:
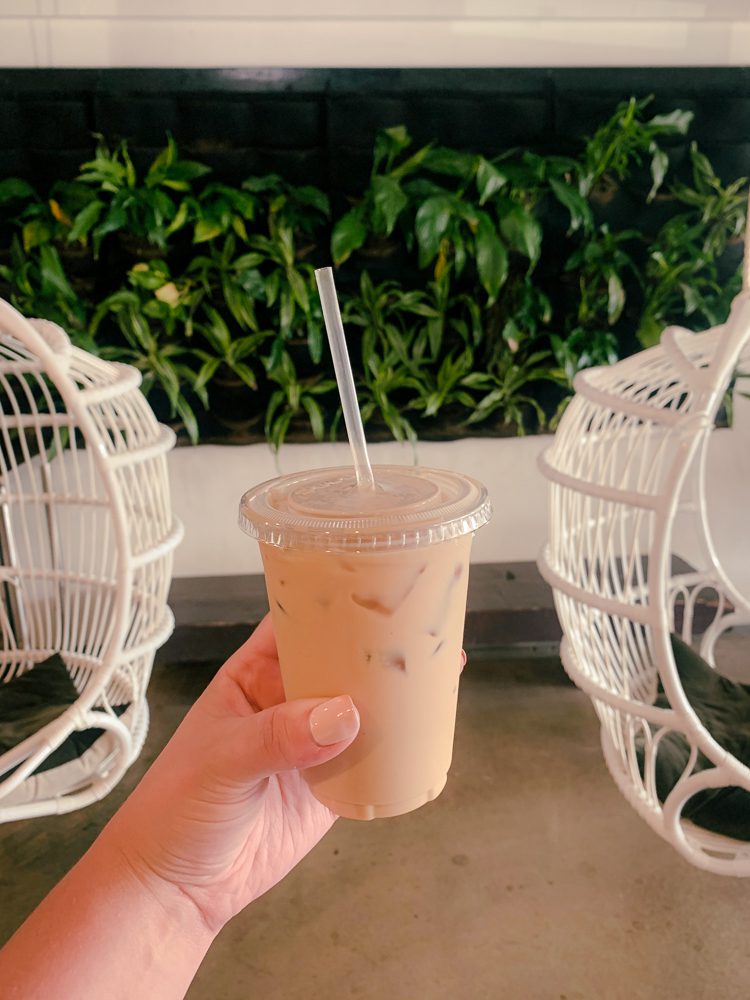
(334, 720)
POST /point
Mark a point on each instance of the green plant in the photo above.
(301, 208)
(15, 194)
(143, 208)
(681, 274)
(625, 139)
(601, 267)
(293, 218)
(144, 325)
(58, 219)
(378, 211)
(39, 287)
(219, 210)
(506, 390)
(397, 329)
(233, 352)
(231, 284)
(500, 276)
(294, 399)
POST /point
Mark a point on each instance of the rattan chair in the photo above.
(86, 542)
(626, 467)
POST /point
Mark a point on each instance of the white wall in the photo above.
(395, 33)
(208, 481)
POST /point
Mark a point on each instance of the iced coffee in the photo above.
(367, 592)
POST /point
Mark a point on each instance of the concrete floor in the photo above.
(528, 879)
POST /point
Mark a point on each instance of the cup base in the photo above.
(356, 810)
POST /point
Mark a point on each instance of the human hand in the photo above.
(223, 814)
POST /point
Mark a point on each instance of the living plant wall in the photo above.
(473, 287)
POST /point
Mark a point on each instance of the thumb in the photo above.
(296, 734)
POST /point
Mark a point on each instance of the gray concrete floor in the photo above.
(528, 879)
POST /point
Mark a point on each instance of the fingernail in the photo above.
(463, 658)
(334, 720)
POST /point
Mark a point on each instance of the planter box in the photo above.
(208, 481)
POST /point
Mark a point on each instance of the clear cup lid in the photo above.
(326, 509)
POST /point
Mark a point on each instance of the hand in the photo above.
(223, 814)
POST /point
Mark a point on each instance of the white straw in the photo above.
(342, 367)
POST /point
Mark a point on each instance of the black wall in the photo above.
(317, 126)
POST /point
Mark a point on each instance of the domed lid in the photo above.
(327, 509)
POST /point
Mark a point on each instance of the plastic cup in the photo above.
(367, 591)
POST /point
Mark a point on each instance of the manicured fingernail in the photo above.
(463, 658)
(334, 720)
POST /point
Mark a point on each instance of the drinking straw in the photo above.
(342, 366)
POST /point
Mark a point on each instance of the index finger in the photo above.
(255, 667)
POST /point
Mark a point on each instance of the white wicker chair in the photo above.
(627, 463)
(86, 541)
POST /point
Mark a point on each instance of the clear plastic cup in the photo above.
(367, 591)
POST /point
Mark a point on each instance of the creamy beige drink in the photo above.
(368, 598)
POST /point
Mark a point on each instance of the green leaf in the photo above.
(278, 430)
(242, 203)
(246, 346)
(261, 185)
(151, 276)
(677, 121)
(286, 312)
(188, 418)
(246, 373)
(180, 218)
(207, 229)
(315, 414)
(522, 232)
(52, 272)
(431, 224)
(492, 257)
(217, 331)
(693, 300)
(247, 261)
(85, 220)
(179, 175)
(314, 198)
(576, 204)
(238, 225)
(389, 142)
(168, 378)
(251, 284)
(275, 359)
(704, 175)
(206, 372)
(299, 289)
(315, 341)
(240, 304)
(450, 162)
(348, 235)
(35, 233)
(15, 189)
(489, 180)
(115, 219)
(615, 298)
(389, 201)
(272, 286)
(659, 166)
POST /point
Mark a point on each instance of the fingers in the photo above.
(255, 667)
(294, 734)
